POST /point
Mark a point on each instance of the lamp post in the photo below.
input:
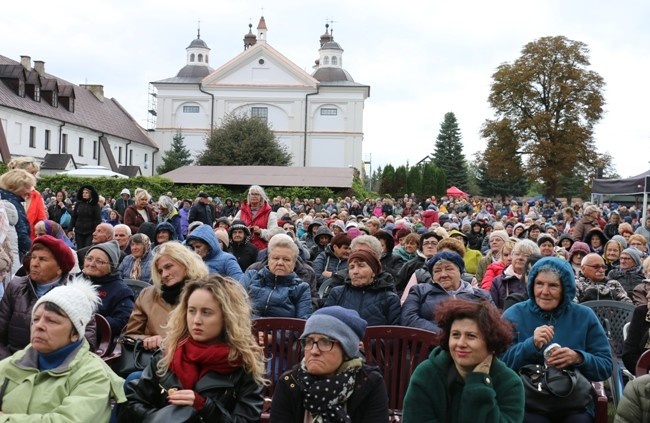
(369, 163)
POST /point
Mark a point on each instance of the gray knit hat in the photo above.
(342, 324)
(635, 254)
(112, 249)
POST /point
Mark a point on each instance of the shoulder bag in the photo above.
(553, 391)
(134, 357)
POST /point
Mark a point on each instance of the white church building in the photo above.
(318, 117)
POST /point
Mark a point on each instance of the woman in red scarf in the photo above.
(212, 368)
(257, 214)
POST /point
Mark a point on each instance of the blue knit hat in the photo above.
(342, 324)
(447, 256)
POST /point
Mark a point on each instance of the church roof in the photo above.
(198, 43)
(332, 74)
(197, 72)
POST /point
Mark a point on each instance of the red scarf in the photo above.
(193, 359)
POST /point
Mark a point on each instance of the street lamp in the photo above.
(369, 163)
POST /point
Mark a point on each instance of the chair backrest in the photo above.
(397, 351)
(104, 335)
(643, 364)
(136, 286)
(280, 338)
(613, 315)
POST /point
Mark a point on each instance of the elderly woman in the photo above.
(34, 202)
(86, 215)
(139, 212)
(638, 337)
(206, 244)
(257, 214)
(510, 281)
(428, 247)
(15, 187)
(463, 380)
(100, 266)
(57, 377)
(275, 290)
(331, 384)
(49, 227)
(211, 369)
(444, 282)
(50, 262)
(550, 316)
(137, 265)
(368, 290)
(612, 254)
(629, 273)
(496, 241)
(168, 213)
(171, 268)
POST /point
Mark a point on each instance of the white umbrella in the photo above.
(93, 172)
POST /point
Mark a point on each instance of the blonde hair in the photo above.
(15, 179)
(236, 332)
(26, 163)
(141, 192)
(194, 266)
(646, 267)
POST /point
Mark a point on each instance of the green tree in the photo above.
(440, 182)
(177, 156)
(448, 152)
(400, 182)
(243, 141)
(388, 180)
(553, 100)
(414, 180)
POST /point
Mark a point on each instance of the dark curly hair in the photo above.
(496, 331)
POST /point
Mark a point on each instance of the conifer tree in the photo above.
(448, 152)
(177, 156)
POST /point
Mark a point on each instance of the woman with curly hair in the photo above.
(211, 367)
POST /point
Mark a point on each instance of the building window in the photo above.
(32, 136)
(95, 152)
(37, 94)
(262, 113)
(192, 57)
(200, 56)
(329, 111)
(47, 139)
(326, 60)
(130, 157)
(81, 147)
(190, 109)
(146, 160)
(119, 155)
(64, 143)
(334, 61)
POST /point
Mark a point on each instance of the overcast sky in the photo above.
(421, 59)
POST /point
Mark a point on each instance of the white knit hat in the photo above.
(78, 299)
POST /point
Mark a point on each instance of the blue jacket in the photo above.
(165, 226)
(145, 267)
(575, 326)
(217, 260)
(117, 300)
(377, 303)
(22, 226)
(421, 303)
(277, 296)
(327, 260)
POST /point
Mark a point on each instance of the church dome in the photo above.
(331, 74)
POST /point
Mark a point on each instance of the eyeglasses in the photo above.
(323, 344)
(597, 266)
(91, 260)
(430, 243)
(254, 194)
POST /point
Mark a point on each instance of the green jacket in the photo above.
(432, 393)
(635, 404)
(79, 390)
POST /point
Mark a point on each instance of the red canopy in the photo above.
(455, 192)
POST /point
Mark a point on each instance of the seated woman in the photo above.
(390, 262)
(331, 384)
(612, 254)
(206, 244)
(48, 264)
(444, 282)
(629, 273)
(510, 281)
(367, 290)
(638, 340)
(171, 268)
(49, 227)
(496, 268)
(275, 290)
(463, 380)
(551, 316)
(211, 370)
(57, 377)
(137, 265)
(634, 406)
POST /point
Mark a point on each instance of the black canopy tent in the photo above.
(622, 190)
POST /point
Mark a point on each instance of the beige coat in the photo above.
(149, 315)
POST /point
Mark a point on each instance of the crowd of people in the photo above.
(495, 282)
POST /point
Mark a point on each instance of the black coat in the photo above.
(86, 215)
(228, 398)
(367, 404)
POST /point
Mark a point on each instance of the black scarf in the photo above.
(171, 294)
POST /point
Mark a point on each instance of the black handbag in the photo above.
(553, 391)
(175, 414)
(134, 356)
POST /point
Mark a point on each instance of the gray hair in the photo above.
(283, 241)
(258, 189)
(526, 246)
(368, 240)
(126, 228)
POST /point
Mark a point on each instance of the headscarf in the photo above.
(136, 270)
(54, 229)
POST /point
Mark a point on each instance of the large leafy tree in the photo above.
(177, 156)
(552, 100)
(448, 152)
(243, 141)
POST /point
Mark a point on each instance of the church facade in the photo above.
(318, 116)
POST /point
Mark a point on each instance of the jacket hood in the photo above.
(598, 233)
(94, 196)
(563, 237)
(319, 222)
(323, 230)
(165, 226)
(239, 224)
(567, 278)
(206, 234)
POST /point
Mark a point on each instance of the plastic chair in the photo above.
(643, 364)
(106, 344)
(136, 286)
(397, 351)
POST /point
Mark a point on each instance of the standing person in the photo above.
(122, 203)
(331, 383)
(139, 212)
(212, 368)
(86, 215)
(463, 380)
(587, 222)
(184, 213)
(202, 211)
(58, 208)
(16, 186)
(255, 212)
(34, 203)
(57, 377)
(168, 213)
